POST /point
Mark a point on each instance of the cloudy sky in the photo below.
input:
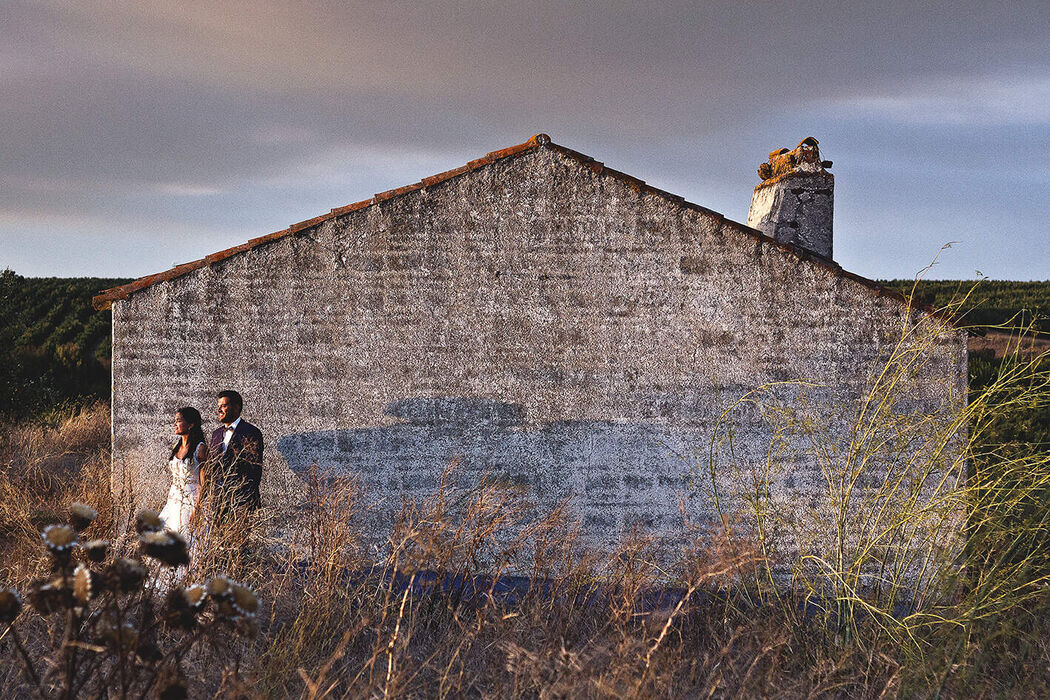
(137, 135)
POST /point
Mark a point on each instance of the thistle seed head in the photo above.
(95, 550)
(220, 587)
(148, 521)
(83, 584)
(59, 540)
(50, 596)
(245, 602)
(165, 546)
(10, 605)
(81, 515)
(126, 575)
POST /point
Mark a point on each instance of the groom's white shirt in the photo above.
(229, 433)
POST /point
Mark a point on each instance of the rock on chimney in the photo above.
(794, 201)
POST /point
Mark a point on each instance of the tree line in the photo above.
(54, 347)
(988, 303)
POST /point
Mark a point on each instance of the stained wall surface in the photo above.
(537, 321)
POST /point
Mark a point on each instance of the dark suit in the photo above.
(233, 475)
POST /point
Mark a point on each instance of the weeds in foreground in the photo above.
(115, 629)
(897, 605)
(45, 465)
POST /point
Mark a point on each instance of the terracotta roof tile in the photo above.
(397, 191)
(106, 298)
(441, 177)
(338, 211)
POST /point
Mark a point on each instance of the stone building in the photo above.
(542, 319)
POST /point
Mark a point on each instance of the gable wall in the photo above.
(544, 323)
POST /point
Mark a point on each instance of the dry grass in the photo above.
(339, 621)
(44, 466)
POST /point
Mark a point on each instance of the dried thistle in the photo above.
(126, 575)
(167, 547)
(10, 605)
(50, 596)
(220, 587)
(148, 521)
(95, 550)
(246, 626)
(182, 606)
(171, 685)
(124, 637)
(148, 652)
(59, 540)
(84, 584)
(81, 516)
(245, 602)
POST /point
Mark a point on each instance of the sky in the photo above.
(139, 135)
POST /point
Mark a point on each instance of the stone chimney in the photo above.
(794, 202)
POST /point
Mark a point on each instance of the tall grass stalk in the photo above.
(926, 519)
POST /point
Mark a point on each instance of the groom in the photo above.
(235, 463)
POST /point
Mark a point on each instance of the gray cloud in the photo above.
(141, 134)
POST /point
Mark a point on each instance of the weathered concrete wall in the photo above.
(540, 321)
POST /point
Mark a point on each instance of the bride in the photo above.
(184, 463)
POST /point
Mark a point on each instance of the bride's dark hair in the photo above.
(196, 436)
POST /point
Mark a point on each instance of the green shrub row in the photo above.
(54, 347)
(990, 303)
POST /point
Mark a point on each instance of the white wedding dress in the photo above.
(182, 496)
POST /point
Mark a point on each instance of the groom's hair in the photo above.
(232, 396)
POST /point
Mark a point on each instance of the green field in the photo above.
(54, 347)
(989, 303)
